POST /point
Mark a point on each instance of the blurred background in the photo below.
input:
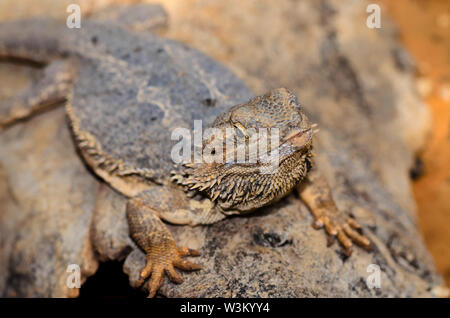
(423, 28)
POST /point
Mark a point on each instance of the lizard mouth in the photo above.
(299, 138)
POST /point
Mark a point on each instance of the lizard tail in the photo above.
(37, 39)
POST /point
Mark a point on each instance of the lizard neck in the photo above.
(250, 192)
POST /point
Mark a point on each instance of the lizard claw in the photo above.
(345, 232)
(318, 197)
(164, 261)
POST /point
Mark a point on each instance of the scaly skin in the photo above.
(154, 238)
(201, 193)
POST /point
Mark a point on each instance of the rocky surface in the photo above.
(47, 199)
(354, 81)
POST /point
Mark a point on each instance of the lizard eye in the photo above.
(242, 131)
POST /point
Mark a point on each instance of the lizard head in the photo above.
(253, 154)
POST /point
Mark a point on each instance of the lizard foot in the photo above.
(345, 229)
(160, 260)
(316, 194)
(155, 239)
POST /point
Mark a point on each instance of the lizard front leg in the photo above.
(154, 238)
(144, 214)
(315, 192)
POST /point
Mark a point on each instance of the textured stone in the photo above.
(47, 200)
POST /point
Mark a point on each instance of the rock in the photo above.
(371, 121)
(47, 200)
